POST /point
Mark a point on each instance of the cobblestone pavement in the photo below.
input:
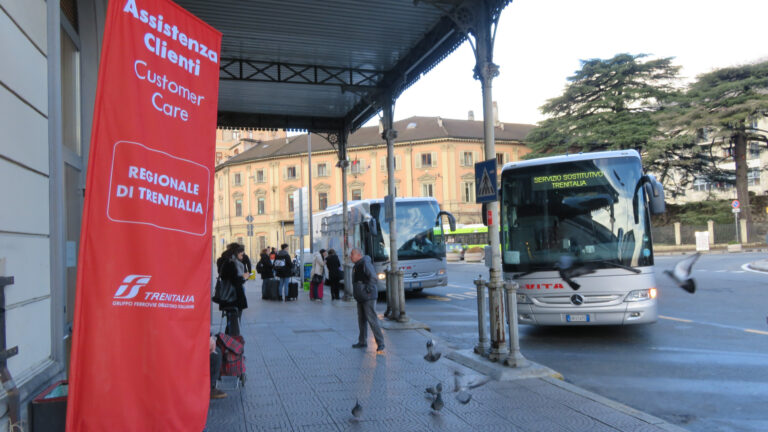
(303, 375)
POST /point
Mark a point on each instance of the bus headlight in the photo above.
(382, 276)
(640, 295)
(522, 298)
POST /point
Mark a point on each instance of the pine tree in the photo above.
(607, 105)
(723, 107)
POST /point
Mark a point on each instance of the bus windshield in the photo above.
(415, 234)
(588, 212)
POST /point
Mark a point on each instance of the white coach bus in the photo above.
(420, 249)
(576, 236)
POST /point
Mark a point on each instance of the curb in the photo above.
(761, 266)
(615, 405)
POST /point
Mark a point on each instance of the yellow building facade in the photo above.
(433, 157)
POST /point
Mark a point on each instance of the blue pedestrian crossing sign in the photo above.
(485, 181)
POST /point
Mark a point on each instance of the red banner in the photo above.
(140, 356)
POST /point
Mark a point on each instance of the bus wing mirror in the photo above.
(451, 219)
(655, 191)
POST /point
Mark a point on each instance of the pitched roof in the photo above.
(412, 129)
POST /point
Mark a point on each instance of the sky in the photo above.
(539, 44)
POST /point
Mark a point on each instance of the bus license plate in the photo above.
(577, 318)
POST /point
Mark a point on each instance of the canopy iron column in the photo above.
(395, 289)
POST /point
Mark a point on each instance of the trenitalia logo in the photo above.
(135, 282)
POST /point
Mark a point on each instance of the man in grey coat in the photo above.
(365, 290)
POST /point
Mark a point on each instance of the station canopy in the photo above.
(324, 65)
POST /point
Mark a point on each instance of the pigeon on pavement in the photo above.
(433, 391)
(357, 411)
(682, 273)
(438, 403)
(432, 355)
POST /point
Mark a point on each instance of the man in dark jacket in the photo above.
(366, 292)
(246, 262)
(335, 274)
(283, 270)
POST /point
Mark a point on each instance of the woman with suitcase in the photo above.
(318, 273)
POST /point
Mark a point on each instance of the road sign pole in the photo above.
(486, 71)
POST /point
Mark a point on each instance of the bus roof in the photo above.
(350, 204)
(576, 157)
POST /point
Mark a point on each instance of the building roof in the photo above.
(412, 129)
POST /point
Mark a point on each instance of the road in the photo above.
(702, 366)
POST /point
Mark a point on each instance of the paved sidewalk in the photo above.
(303, 375)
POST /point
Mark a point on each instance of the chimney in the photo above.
(495, 114)
(439, 121)
(471, 115)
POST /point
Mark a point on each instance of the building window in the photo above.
(701, 185)
(358, 166)
(70, 92)
(753, 177)
(426, 190)
(238, 207)
(322, 200)
(262, 242)
(237, 151)
(240, 240)
(322, 170)
(468, 192)
(219, 156)
(501, 159)
(754, 150)
(357, 194)
(260, 176)
(426, 160)
(290, 172)
(290, 203)
(467, 158)
(237, 179)
(260, 208)
(235, 135)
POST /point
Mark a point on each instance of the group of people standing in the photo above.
(276, 265)
(235, 266)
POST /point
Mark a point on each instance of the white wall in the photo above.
(24, 183)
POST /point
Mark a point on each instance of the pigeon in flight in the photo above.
(357, 411)
(462, 386)
(432, 355)
(682, 273)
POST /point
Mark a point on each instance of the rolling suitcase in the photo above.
(293, 290)
(233, 363)
(316, 290)
(272, 288)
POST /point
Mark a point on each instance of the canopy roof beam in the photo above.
(234, 69)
